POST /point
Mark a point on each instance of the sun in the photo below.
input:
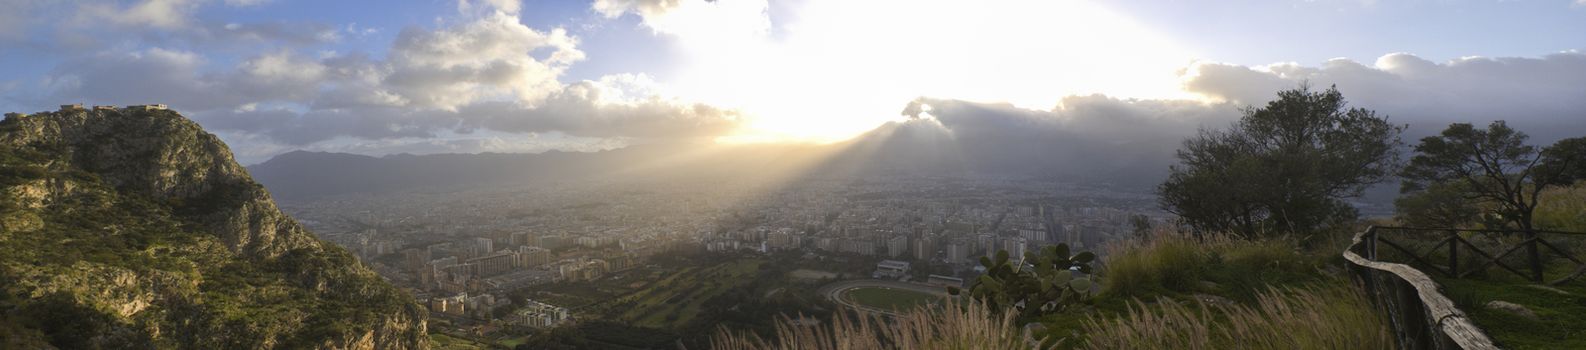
(834, 69)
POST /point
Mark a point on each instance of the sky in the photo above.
(464, 76)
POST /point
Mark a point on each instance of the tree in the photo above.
(1285, 167)
(1042, 283)
(1564, 163)
(1439, 205)
(1495, 167)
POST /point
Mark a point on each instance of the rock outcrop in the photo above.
(137, 229)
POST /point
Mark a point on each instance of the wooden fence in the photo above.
(1421, 317)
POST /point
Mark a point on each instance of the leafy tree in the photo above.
(1439, 205)
(1565, 161)
(1285, 167)
(1493, 166)
(1042, 283)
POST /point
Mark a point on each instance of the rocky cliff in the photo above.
(137, 229)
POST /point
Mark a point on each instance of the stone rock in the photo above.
(1512, 308)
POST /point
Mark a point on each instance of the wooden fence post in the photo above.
(1371, 245)
(1535, 255)
(1453, 253)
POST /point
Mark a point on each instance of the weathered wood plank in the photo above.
(1450, 320)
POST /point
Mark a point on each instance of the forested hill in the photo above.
(136, 229)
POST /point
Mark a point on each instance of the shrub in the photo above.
(1323, 316)
(1563, 209)
(1174, 262)
(1166, 263)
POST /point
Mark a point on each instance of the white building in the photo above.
(891, 269)
(539, 315)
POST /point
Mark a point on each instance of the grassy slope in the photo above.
(1142, 275)
(1560, 317)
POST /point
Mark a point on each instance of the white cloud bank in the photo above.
(489, 72)
(483, 77)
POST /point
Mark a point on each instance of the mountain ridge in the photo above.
(138, 229)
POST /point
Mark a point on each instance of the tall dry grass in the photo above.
(1563, 209)
(968, 325)
(1175, 262)
(1328, 316)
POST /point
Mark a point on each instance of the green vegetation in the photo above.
(1560, 311)
(682, 297)
(96, 256)
(1294, 161)
(1491, 178)
(1563, 209)
(891, 299)
(677, 300)
(1176, 264)
(440, 341)
(1159, 277)
(1051, 286)
(958, 326)
(1493, 168)
(1325, 316)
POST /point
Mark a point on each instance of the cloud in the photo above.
(506, 6)
(1539, 91)
(488, 57)
(696, 21)
(643, 8)
(162, 14)
(487, 73)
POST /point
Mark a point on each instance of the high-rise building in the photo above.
(923, 248)
(531, 256)
(414, 259)
(1015, 246)
(520, 238)
(897, 246)
(958, 251)
(483, 246)
(494, 263)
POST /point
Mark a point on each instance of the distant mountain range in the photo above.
(914, 147)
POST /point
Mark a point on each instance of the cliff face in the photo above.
(137, 229)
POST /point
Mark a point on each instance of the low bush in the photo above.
(1172, 263)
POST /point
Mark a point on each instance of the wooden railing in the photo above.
(1450, 243)
(1421, 317)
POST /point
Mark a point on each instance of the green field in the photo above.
(888, 298)
(439, 341)
(676, 300)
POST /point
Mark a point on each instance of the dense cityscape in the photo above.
(461, 253)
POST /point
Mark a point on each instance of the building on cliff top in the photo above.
(153, 107)
(72, 107)
(105, 108)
